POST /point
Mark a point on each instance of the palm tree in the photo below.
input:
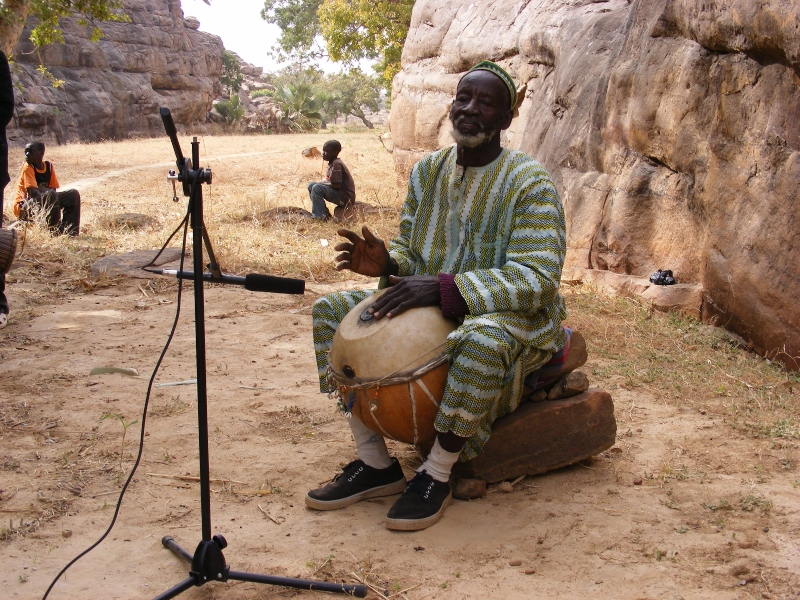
(232, 110)
(299, 105)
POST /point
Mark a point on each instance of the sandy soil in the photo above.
(681, 507)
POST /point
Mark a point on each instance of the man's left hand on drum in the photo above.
(407, 292)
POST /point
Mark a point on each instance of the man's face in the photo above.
(480, 109)
(34, 154)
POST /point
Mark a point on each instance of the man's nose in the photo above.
(471, 107)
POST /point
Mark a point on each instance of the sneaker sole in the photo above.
(385, 490)
(416, 524)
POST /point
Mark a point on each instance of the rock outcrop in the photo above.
(113, 88)
(670, 127)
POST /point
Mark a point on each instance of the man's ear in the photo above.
(507, 118)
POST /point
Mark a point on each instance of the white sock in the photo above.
(370, 445)
(439, 462)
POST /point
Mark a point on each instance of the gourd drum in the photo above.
(393, 370)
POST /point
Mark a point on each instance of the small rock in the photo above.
(538, 396)
(311, 152)
(529, 571)
(571, 384)
(66, 533)
(505, 487)
(191, 23)
(514, 563)
(598, 582)
(637, 481)
(469, 489)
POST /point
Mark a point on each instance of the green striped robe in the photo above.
(500, 229)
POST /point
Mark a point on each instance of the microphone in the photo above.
(253, 282)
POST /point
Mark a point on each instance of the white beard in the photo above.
(472, 141)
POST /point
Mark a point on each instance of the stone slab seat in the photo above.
(541, 436)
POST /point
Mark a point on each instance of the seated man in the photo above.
(337, 188)
(37, 190)
(482, 235)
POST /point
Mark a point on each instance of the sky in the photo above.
(239, 24)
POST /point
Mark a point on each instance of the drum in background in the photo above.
(393, 370)
(8, 246)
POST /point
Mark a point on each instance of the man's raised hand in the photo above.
(365, 256)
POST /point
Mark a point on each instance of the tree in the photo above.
(299, 26)
(299, 105)
(357, 29)
(350, 29)
(232, 77)
(231, 110)
(351, 92)
(49, 13)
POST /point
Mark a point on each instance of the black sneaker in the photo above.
(357, 481)
(421, 505)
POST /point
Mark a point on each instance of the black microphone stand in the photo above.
(208, 562)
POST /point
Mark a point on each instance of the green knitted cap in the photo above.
(487, 65)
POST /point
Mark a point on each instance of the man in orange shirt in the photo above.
(37, 190)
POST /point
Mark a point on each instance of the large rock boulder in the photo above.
(670, 127)
(113, 88)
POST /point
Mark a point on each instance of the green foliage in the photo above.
(351, 30)
(334, 95)
(299, 26)
(349, 93)
(232, 110)
(232, 77)
(299, 105)
(357, 29)
(50, 13)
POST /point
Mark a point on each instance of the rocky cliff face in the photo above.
(670, 127)
(113, 88)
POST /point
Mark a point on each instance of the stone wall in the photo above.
(113, 88)
(670, 127)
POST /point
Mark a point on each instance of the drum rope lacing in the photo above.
(393, 378)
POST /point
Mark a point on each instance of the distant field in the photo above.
(251, 174)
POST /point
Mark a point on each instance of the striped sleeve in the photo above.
(400, 247)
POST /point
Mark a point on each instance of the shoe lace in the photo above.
(347, 469)
(421, 484)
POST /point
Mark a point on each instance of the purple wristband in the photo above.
(453, 304)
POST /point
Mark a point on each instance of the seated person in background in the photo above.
(338, 187)
(37, 189)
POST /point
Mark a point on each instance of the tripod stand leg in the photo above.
(360, 591)
(178, 589)
(171, 544)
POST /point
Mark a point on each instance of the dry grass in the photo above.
(684, 362)
(679, 360)
(272, 174)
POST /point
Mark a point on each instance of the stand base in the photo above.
(208, 564)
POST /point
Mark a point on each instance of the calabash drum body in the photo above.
(394, 370)
(8, 246)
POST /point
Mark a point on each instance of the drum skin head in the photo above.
(366, 349)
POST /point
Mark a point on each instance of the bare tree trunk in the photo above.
(360, 114)
(12, 24)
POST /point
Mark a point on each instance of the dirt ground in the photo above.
(681, 507)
